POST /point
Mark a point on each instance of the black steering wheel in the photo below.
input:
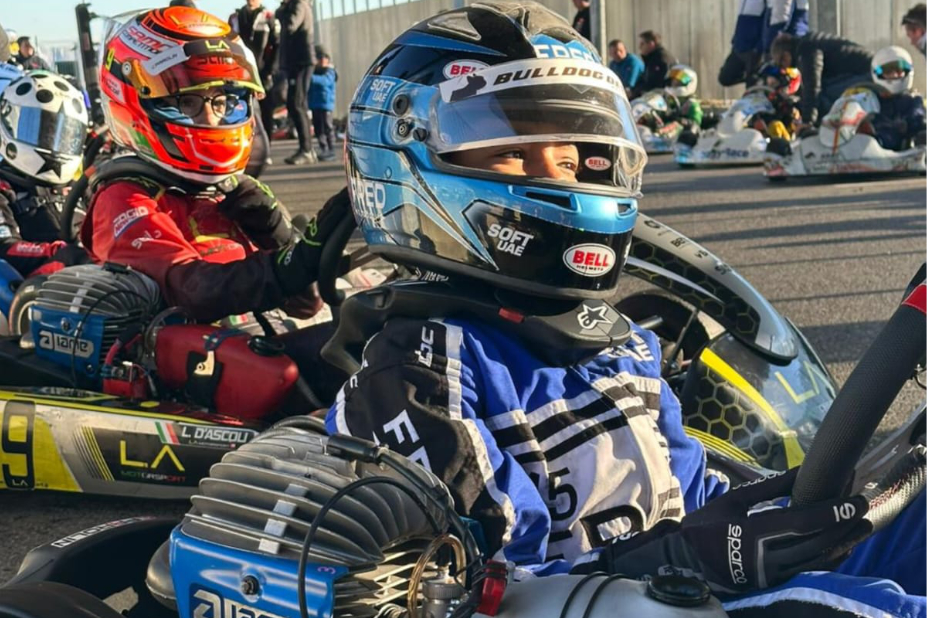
(890, 361)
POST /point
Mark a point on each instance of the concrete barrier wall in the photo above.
(695, 31)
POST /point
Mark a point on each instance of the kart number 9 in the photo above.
(16, 445)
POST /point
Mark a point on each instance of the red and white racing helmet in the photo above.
(159, 69)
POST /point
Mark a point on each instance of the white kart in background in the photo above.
(733, 140)
(842, 146)
(658, 137)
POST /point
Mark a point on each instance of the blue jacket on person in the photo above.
(760, 21)
(629, 70)
(322, 88)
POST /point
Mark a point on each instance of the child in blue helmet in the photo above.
(489, 149)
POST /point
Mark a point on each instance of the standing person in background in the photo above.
(322, 103)
(258, 30)
(657, 61)
(828, 64)
(581, 21)
(915, 26)
(627, 66)
(27, 58)
(296, 59)
(758, 24)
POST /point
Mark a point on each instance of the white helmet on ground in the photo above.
(43, 123)
(893, 69)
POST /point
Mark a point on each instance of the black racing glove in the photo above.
(297, 264)
(252, 205)
(743, 541)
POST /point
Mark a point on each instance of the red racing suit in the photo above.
(202, 260)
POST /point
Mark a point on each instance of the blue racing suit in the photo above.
(900, 119)
(553, 462)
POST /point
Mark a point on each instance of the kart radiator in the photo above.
(81, 310)
(238, 547)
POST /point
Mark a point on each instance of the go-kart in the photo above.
(298, 523)
(733, 140)
(107, 391)
(657, 136)
(843, 144)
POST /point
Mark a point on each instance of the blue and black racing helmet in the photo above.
(490, 77)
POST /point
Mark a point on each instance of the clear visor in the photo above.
(898, 68)
(209, 106)
(570, 103)
(55, 131)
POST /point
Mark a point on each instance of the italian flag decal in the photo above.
(166, 433)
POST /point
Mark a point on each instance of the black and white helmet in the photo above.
(43, 123)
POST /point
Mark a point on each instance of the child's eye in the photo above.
(510, 154)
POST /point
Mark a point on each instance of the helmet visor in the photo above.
(55, 131)
(229, 105)
(896, 69)
(566, 102)
(678, 78)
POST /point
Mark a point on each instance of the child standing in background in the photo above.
(322, 103)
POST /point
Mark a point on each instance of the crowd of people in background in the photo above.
(773, 45)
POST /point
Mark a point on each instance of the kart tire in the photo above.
(779, 146)
(777, 178)
(686, 166)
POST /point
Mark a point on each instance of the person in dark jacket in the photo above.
(27, 58)
(297, 56)
(758, 24)
(828, 64)
(657, 62)
(915, 26)
(581, 21)
(322, 103)
(258, 29)
(901, 112)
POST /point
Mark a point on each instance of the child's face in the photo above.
(542, 160)
(892, 74)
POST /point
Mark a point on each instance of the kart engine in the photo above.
(81, 310)
(237, 551)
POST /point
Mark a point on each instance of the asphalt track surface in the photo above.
(832, 256)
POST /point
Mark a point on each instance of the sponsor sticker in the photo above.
(125, 219)
(163, 61)
(115, 87)
(510, 240)
(144, 42)
(590, 259)
(199, 435)
(462, 67)
(597, 164)
(535, 72)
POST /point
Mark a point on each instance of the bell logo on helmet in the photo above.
(462, 67)
(589, 260)
(598, 164)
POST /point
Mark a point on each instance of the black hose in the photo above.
(859, 407)
(70, 207)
